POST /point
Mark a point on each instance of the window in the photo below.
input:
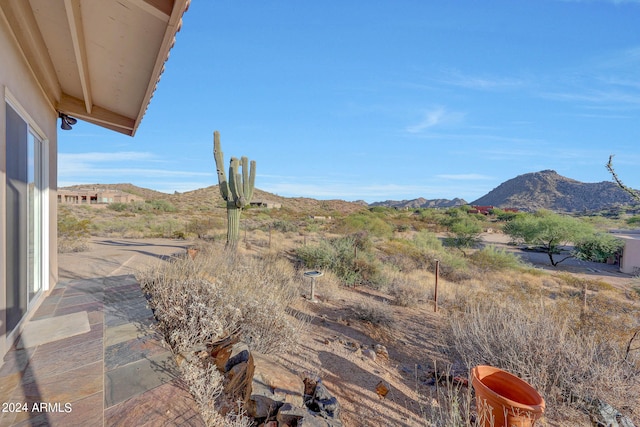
(26, 268)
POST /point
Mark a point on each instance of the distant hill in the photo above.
(549, 190)
(206, 198)
(420, 203)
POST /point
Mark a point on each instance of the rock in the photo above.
(239, 353)
(239, 380)
(370, 354)
(324, 402)
(381, 352)
(603, 414)
(291, 415)
(382, 388)
(221, 351)
(271, 387)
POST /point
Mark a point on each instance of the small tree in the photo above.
(598, 247)
(237, 191)
(464, 232)
(548, 230)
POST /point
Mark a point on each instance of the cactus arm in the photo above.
(218, 155)
(252, 182)
(235, 183)
(245, 177)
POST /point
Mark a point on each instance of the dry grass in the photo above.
(545, 345)
(218, 292)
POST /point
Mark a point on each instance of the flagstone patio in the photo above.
(90, 356)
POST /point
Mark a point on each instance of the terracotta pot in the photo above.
(502, 399)
(192, 252)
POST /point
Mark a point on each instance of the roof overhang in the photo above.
(96, 60)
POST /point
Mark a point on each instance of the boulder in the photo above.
(272, 386)
(324, 402)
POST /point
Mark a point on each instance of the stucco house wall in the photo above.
(630, 260)
(21, 90)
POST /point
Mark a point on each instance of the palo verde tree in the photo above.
(237, 191)
(549, 231)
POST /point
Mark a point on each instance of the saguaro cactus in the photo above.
(237, 191)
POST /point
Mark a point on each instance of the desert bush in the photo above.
(405, 293)
(161, 206)
(218, 292)
(284, 226)
(337, 255)
(491, 258)
(369, 222)
(543, 346)
(73, 233)
(427, 240)
(375, 312)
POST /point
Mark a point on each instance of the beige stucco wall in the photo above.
(18, 82)
(630, 262)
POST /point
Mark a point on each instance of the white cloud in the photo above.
(435, 117)
(465, 176)
(456, 78)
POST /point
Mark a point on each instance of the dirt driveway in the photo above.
(591, 270)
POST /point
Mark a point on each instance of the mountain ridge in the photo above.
(528, 192)
(549, 190)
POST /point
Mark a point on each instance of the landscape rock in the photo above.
(381, 352)
(370, 354)
(324, 402)
(271, 387)
(291, 415)
(239, 381)
(603, 414)
(239, 353)
(382, 388)
(221, 351)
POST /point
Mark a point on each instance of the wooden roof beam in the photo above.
(99, 116)
(161, 9)
(19, 16)
(74, 17)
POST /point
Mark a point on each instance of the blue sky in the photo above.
(383, 100)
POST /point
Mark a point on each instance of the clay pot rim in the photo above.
(477, 383)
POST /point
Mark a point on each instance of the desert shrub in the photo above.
(73, 233)
(284, 226)
(598, 247)
(161, 206)
(118, 206)
(370, 270)
(543, 346)
(427, 240)
(218, 292)
(375, 312)
(337, 255)
(403, 255)
(405, 293)
(345, 259)
(491, 258)
(634, 220)
(365, 221)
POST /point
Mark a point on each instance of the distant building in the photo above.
(486, 210)
(630, 258)
(94, 196)
(265, 204)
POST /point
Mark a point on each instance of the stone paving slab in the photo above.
(38, 332)
(135, 378)
(94, 347)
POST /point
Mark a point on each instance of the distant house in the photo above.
(266, 204)
(630, 258)
(94, 196)
(98, 61)
(486, 210)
